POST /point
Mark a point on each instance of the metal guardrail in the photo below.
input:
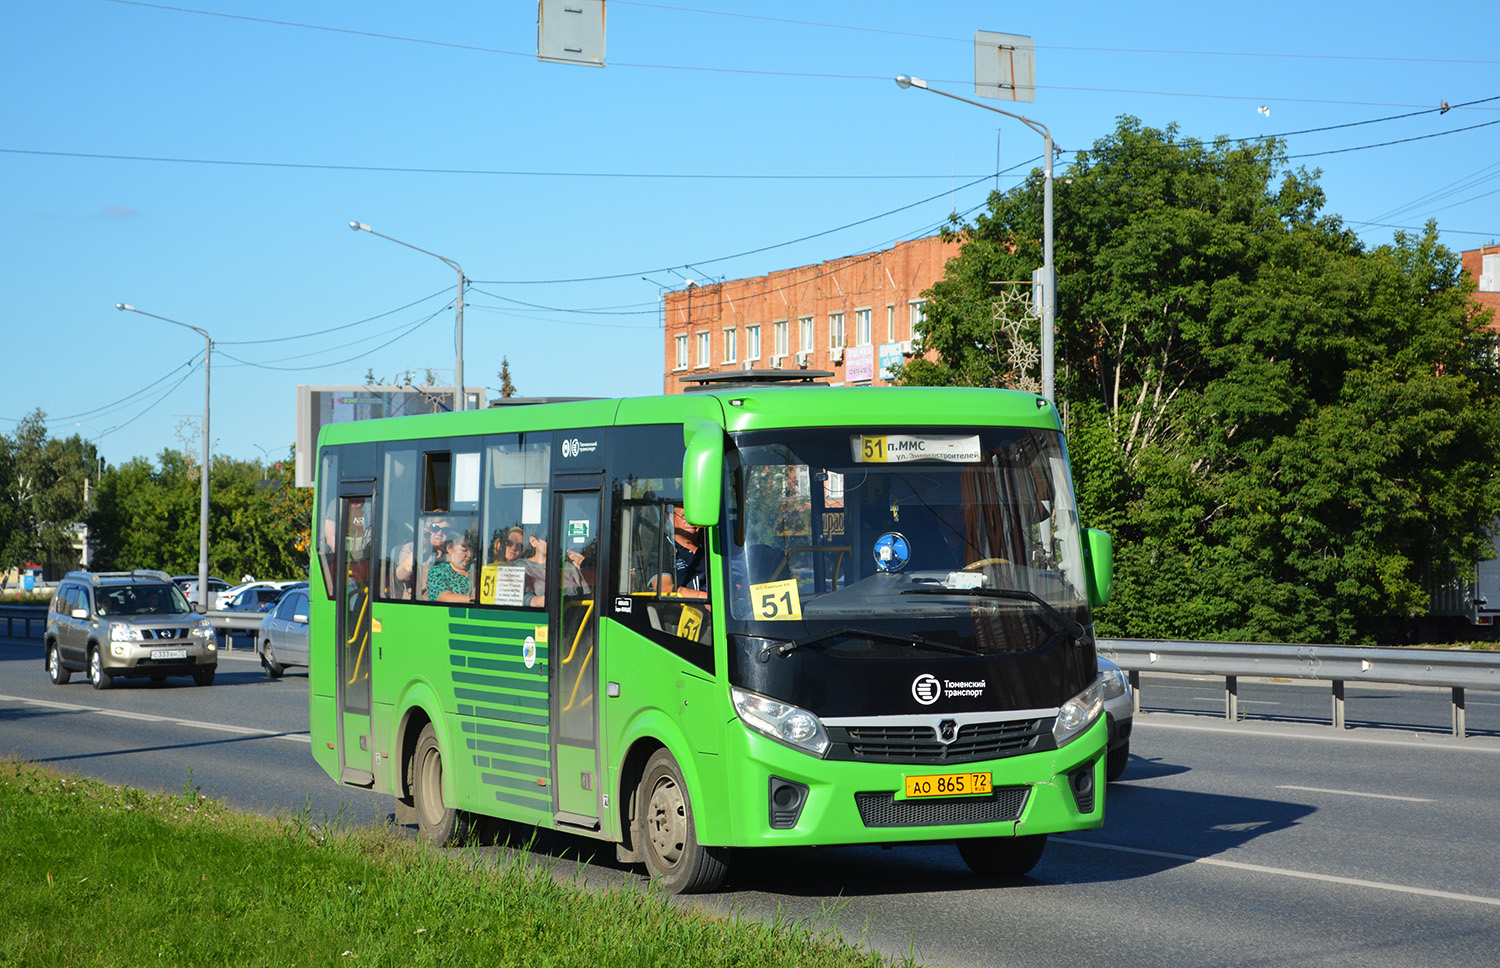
(25, 614)
(1452, 669)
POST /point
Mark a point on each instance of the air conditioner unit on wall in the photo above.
(802, 356)
(906, 349)
(836, 354)
(749, 364)
(776, 362)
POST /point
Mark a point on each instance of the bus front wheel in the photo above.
(1002, 856)
(667, 835)
(437, 823)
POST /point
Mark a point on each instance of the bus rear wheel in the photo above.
(438, 824)
(1002, 856)
(667, 834)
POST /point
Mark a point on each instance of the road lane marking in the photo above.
(1355, 793)
(1286, 872)
(299, 737)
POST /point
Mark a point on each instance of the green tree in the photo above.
(1284, 430)
(41, 494)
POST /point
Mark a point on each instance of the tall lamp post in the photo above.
(208, 352)
(460, 401)
(84, 559)
(1049, 282)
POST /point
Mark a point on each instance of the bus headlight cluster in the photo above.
(781, 721)
(1079, 713)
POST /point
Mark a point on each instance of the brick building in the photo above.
(1483, 264)
(855, 316)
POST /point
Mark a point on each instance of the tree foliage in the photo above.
(41, 493)
(1285, 430)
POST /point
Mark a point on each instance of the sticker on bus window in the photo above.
(502, 585)
(776, 601)
(578, 531)
(690, 623)
(899, 448)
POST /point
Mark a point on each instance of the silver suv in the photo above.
(135, 624)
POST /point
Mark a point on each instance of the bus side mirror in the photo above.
(1100, 551)
(702, 471)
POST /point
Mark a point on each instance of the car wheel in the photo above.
(98, 678)
(667, 835)
(204, 676)
(1002, 856)
(1115, 761)
(55, 669)
(438, 824)
(268, 659)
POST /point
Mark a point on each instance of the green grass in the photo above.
(92, 874)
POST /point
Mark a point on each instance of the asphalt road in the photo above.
(1269, 842)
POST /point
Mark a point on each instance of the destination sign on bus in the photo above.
(899, 448)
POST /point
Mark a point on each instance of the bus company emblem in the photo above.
(926, 689)
(623, 604)
(572, 447)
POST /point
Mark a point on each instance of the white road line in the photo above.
(1355, 793)
(1284, 872)
(190, 723)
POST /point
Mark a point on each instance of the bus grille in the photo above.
(884, 810)
(919, 744)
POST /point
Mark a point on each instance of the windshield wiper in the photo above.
(847, 631)
(1065, 624)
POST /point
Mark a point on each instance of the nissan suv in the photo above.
(135, 624)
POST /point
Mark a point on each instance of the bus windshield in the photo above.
(877, 541)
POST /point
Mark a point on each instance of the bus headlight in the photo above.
(783, 722)
(1078, 713)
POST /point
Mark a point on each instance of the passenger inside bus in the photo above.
(449, 580)
(689, 576)
(510, 548)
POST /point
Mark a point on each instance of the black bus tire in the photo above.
(438, 824)
(667, 834)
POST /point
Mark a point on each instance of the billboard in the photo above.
(320, 405)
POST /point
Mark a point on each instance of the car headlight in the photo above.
(1116, 683)
(1079, 713)
(203, 630)
(783, 722)
(120, 632)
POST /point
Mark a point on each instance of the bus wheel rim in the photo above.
(666, 821)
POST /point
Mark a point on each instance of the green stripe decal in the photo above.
(502, 704)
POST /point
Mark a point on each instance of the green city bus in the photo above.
(754, 615)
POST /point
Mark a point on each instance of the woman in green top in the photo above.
(449, 580)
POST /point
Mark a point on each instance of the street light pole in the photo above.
(460, 401)
(1049, 281)
(208, 352)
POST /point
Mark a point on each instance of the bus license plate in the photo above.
(169, 653)
(948, 785)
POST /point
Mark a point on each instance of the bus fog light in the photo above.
(1078, 713)
(781, 721)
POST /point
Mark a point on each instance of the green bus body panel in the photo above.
(465, 667)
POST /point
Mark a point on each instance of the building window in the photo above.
(682, 357)
(917, 316)
(731, 345)
(752, 342)
(780, 330)
(890, 322)
(861, 327)
(703, 348)
(805, 336)
(1489, 272)
(835, 330)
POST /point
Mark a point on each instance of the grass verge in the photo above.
(92, 874)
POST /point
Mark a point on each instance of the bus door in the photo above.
(576, 568)
(353, 575)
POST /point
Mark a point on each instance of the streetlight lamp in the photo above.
(1049, 281)
(208, 351)
(459, 395)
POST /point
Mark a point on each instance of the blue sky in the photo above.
(202, 162)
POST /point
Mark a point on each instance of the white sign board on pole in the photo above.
(1004, 66)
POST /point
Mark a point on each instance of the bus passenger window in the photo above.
(451, 580)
